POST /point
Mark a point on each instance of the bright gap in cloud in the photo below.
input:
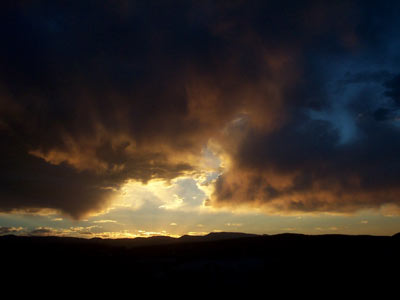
(186, 193)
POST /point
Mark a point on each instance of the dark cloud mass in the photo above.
(302, 96)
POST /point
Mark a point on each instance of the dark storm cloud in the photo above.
(343, 156)
(93, 93)
(91, 97)
(303, 167)
(393, 89)
(367, 77)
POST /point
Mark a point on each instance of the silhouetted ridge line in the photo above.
(215, 236)
(187, 239)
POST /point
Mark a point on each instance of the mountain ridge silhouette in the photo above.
(222, 260)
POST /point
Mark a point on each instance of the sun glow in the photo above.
(187, 192)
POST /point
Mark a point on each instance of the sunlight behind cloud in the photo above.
(186, 193)
(178, 194)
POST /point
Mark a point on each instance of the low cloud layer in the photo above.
(4, 230)
(301, 97)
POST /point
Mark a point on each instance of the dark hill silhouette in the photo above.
(215, 236)
(217, 259)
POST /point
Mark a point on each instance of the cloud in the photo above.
(367, 77)
(234, 224)
(393, 89)
(340, 158)
(78, 231)
(93, 96)
(45, 231)
(78, 121)
(303, 167)
(10, 230)
(105, 221)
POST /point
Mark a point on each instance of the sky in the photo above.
(138, 118)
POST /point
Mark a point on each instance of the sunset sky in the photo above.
(127, 118)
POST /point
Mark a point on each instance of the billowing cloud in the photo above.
(338, 154)
(304, 167)
(97, 94)
(336, 150)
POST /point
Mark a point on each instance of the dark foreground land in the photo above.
(218, 259)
